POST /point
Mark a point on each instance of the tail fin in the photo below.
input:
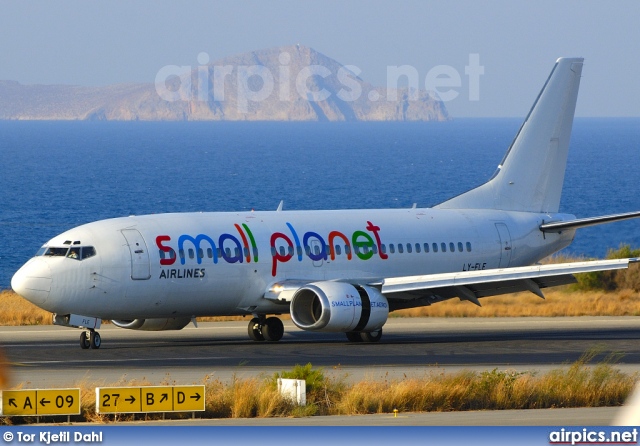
(531, 174)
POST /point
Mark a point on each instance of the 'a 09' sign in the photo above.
(41, 402)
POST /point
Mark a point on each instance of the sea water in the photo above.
(57, 175)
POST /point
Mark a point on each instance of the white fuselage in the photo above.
(205, 264)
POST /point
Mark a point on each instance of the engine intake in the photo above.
(154, 324)
(338, 307)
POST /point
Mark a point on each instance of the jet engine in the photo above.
(154, 324)
(339, 307)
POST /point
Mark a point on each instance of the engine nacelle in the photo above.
(338, 307)
(154, 324)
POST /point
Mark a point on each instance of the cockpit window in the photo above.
(56, 252)
(88, 251)
(74, 252)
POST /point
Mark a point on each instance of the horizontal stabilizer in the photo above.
(559, 226)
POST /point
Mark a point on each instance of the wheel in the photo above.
(273, 329)
(95, 340)
(84, 340)
(353, 336)
(255, 330)
(372, 336)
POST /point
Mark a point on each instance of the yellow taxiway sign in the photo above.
(150, 399)
(41, 402)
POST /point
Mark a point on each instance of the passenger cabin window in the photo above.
(392, 248)
(468, 247)
(383, 248)
(418, 248)
(443, 246)
(460, 247)
(337, 250)
(426, 247)
(452, 247)
(435, 247)
(400, 248)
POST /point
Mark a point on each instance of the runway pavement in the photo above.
(50, 356)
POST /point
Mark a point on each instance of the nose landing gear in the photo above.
(91, 339)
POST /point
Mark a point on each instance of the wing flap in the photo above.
(497, 281)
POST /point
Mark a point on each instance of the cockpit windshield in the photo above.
(56, 252)
(74, 252)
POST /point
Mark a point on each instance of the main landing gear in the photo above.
(370, 336)
(263, 328)
(91, 339)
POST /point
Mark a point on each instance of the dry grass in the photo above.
(563, 302)
(557, 303)
(577, 385)
(14, 310)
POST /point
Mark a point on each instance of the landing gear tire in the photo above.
(372, 336)
(353, 336)
(273, 329)
(84, 340)
(255, 330)
(95, 340)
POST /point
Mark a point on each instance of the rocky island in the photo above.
(292, 83)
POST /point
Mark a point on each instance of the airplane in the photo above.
(332, 270)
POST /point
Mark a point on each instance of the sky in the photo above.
(516, 43)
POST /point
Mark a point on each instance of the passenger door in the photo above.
(140, 265)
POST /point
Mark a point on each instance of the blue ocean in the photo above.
(57, 175)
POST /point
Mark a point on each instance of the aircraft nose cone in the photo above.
(33, 281)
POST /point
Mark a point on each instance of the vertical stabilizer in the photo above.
(531, 174)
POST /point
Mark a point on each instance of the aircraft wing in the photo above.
(472, 285)
(413, 291)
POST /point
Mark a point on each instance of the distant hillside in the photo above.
(232, 94)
